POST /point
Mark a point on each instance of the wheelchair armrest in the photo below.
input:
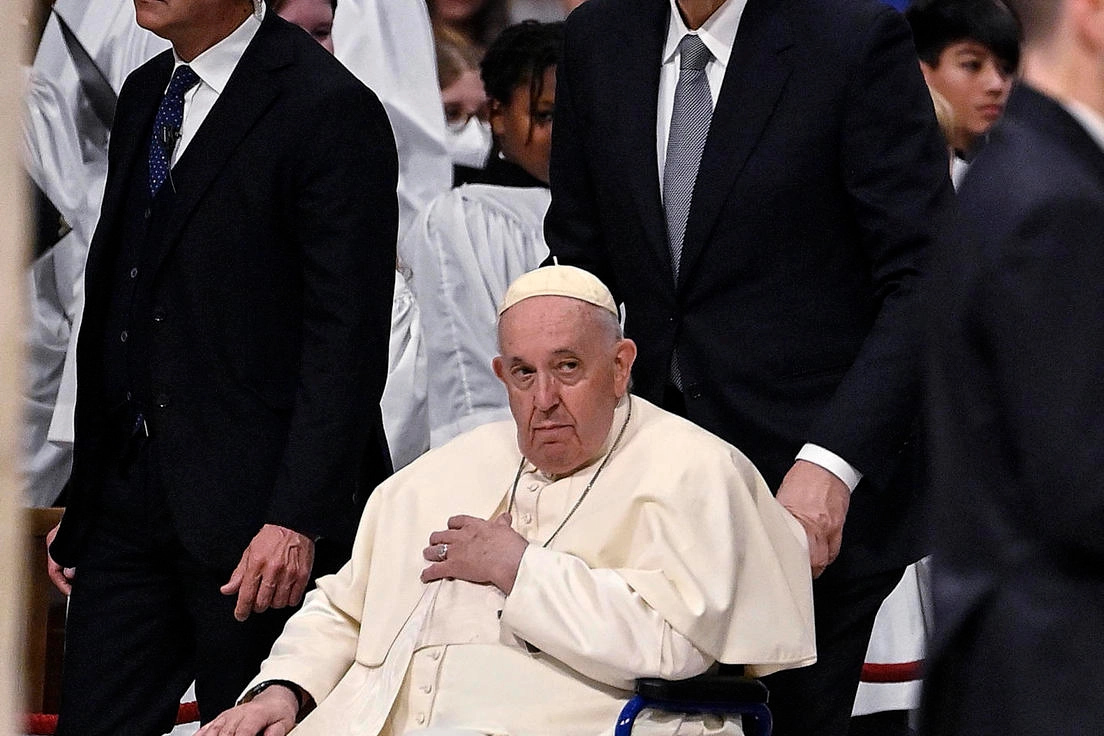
(714, 688)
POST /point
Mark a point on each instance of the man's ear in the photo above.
(623, 357)
(927, 70)
(499, 368)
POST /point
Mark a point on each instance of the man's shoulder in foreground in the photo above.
(1038, 161)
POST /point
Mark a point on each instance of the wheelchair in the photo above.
(720, 694)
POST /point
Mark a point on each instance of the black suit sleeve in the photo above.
(1035, 326)
(345, 221)
(894, 165)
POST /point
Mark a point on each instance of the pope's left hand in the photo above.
(478, 551)
(819, 500)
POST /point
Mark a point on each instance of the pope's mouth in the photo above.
(551, 427)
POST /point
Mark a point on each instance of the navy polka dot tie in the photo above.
(166, 126)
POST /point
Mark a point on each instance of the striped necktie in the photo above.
(690, 117)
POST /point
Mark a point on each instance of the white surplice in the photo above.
(465, 249)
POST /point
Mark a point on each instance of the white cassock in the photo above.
(900, 637)
(464, 250)
(405, 412)
(677, 556)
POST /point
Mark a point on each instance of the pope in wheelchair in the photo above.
(523, 577)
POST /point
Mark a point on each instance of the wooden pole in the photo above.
(13, 254)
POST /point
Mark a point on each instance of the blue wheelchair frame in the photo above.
(717, 694)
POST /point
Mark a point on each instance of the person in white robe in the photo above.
(464, 250)
(468, 244)
(519, 579)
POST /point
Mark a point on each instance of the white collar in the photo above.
(1090, 119)
(215, 65)
(718, 33)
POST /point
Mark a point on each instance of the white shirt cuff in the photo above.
(831, 462)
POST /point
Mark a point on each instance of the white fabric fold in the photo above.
(592, 621)
(465, 249)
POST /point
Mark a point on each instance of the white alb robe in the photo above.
(465, 249)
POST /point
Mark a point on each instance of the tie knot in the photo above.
(693, 53)
(183, 79)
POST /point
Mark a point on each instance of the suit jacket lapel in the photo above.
(756, 75)
(642, 38)
(247, 96)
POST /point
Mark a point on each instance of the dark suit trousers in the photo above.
(145, 619)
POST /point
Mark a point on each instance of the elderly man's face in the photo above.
(565, 370)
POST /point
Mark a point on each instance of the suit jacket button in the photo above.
(162, 401)
(159, 315)
(147, 213)
(694, 391)
(123, 336)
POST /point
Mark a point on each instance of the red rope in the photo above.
(895, 672)
(44, 724)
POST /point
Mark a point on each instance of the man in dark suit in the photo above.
(1016, 404)
(768, 262)
(231, 360)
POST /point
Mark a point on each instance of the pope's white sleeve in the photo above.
(315, 650)
(592, 621)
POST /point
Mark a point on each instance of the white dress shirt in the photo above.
(718, 33)
(213, 67)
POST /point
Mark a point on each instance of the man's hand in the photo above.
(62, 577)
(273, 571)
(819, 500)
(479, 551)
(271, 713)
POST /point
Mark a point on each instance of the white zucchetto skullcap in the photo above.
(568, 281)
